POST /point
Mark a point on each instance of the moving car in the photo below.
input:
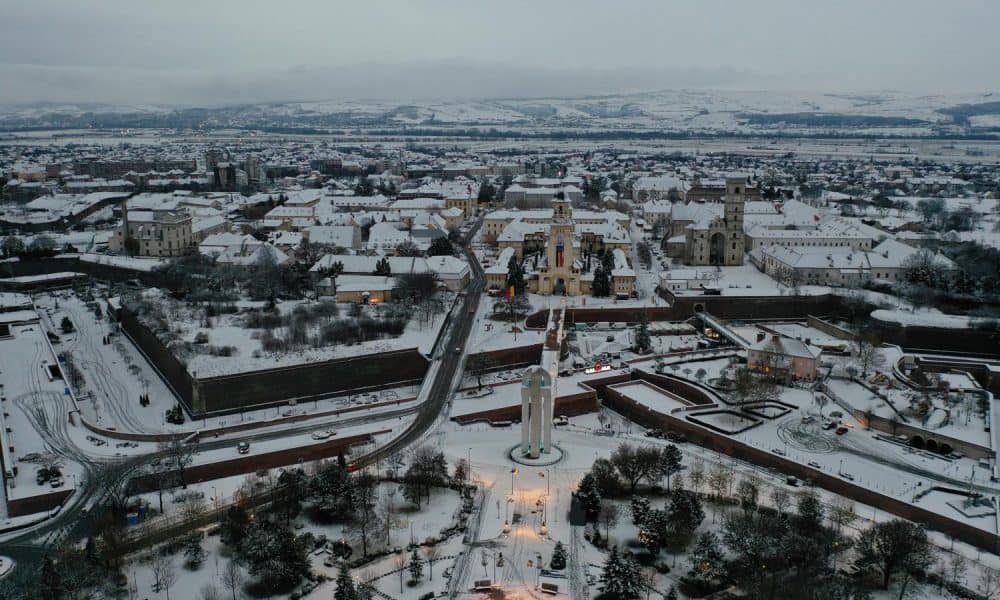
(243, 447)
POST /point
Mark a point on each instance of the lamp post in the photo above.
(512, 473)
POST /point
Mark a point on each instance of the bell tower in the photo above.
(559, 250)
(734, 207)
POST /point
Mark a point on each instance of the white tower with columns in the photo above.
(536, 412)
(538, 391)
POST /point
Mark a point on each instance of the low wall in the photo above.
(36, 504)
(269, 387)
(884, 425)
(507, 357)
(253, 462)
(933, 339)
(747, 308)
(169, 368)
(829, 328)
(684, 307)
(571, 405)
(231, 393)
(720, 443)
(691, 393)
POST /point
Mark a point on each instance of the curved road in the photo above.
(73, 524)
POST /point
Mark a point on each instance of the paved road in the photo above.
(449, 363)
(73, 524)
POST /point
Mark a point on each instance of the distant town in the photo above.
(510, 349)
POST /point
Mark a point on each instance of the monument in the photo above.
(536, 412)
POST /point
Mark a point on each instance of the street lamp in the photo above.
(512, 473)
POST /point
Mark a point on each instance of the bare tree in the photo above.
(395, 464)
(431, 552)
(400, 561)
(718, 482)
(866, 355)
(989, 584)
(193, 507)
(164, 573)
(696, 475)
(842, 514)
(957, 568)
(366, 521)
(608, 517)
(750, 388)
(781, 499)
(210, 592)
(232, 578)
(177, 455)
(388, 509)
(635, 463)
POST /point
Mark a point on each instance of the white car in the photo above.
(323, 435)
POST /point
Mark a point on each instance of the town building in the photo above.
(719, 241)
(783, 358)
(154, 233)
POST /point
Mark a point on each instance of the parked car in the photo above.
(815, 464)
(841, 430)
(560, 420)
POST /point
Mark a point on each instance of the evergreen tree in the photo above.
(275, 554)
(558, 561)
(590, 497)
(684, 512)
(601, 288)
(671, 594)
(194, 554)
(441, 247)
(706, 557)
(654, 529)
(640, 508)
(608, 261)
(643, 341)
(51, 582)
(669, 462)
(620, 578)
(382, 267)
(416, 566)
(515, 276)
(345, 584)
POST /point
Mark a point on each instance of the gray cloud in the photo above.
(225, 51)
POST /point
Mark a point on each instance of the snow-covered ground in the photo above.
(244, 349)
(116, 374)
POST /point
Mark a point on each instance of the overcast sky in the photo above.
(210, 52)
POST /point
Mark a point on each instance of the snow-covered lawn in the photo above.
(225, 344)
